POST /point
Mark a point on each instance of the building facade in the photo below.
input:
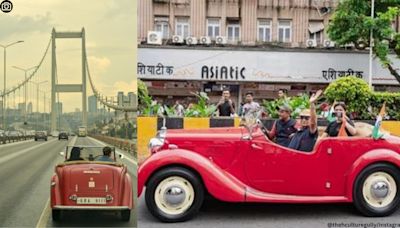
(59, 108)
(249, 22)
(30, 108)
(129, 100)
(246, 45)
(21, 108)
(92, 101)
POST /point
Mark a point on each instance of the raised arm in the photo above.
(313, 112)
(352, 130)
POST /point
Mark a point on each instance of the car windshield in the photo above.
(89, 153)
(250, 121)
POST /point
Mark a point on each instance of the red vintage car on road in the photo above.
(85, 183)
(243, 165)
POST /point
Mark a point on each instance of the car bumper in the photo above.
(59, 207)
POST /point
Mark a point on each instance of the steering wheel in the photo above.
(95, 157)
(263, 129)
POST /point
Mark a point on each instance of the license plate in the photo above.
(90, 200)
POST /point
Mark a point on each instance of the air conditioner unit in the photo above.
(329, 44)
(177, 39)
(191, 40)
(205, 40)
(154, 37)
(324, 10)
(221, 40)
(310, 43)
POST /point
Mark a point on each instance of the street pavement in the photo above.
(25, 172)
(218, 214)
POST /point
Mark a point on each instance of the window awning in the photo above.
(314, 27)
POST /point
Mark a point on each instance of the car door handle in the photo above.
(255, 146)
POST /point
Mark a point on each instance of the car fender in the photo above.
(127, 196)
(371, 157)
(218, 183)
(55, 191)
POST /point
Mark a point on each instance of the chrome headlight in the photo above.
(156, 142)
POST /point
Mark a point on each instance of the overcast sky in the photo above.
(110, 39)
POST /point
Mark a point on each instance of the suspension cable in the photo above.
(9, 91)
(100, 98)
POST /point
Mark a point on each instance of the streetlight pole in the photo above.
(371, 45)
(37, 101)
(5, 80)
(44, 107)
(26, 93)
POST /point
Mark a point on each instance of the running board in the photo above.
(253, 195)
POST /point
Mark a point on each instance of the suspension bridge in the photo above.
(26, 166)
(10, 94)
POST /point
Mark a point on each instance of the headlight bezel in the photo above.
(157, 141)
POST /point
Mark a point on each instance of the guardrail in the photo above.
(10, 139)
(123, 144)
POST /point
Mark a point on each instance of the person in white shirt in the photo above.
(179, 109)
(250, 106)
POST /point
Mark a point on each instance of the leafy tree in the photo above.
(355, 92)
(143, 92)
(352, 23)
(202, 108)
(297, 104)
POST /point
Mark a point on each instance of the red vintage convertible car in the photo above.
(85, 183)
(243, 165)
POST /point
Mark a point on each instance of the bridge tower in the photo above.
(67, 88)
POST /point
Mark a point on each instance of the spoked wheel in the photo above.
(376, 190)
(174, 194)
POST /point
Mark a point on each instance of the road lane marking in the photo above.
(126, 157)
(45, 216)
(16, 154)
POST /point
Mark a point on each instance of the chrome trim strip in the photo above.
(90, 207)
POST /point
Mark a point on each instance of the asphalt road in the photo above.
(229, 215)
(25, 172)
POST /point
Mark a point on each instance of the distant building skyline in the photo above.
(92, 104)
(123, 100)
(59, 108)
(30, 108)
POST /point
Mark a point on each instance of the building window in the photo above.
(264, 30)
(316, 36)
(213, 27)
(285, 31)
(161, 25)
(233, 31)
(315, 29)
(182, 27)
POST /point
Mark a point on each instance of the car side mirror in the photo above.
(62, 153)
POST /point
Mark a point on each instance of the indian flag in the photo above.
(375, 132)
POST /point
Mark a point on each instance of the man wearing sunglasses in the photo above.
(284, 128)
(305, 138)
